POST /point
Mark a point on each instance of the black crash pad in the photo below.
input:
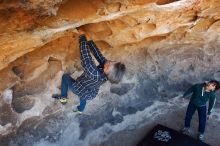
(164, 136)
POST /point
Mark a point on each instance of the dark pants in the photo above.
(68, 83)
(202, 116)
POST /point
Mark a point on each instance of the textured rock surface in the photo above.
(23, 103)
(167, 46)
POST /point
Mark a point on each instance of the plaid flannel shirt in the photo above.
(87, 85)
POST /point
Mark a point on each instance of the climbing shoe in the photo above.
(76, 110)
(185, 130)
(201, 137)
(62, 100)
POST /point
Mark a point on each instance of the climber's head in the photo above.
(212, 85)
(114, 71)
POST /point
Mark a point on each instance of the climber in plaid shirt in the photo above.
(87, 85)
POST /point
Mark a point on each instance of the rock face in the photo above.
(167, 45)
